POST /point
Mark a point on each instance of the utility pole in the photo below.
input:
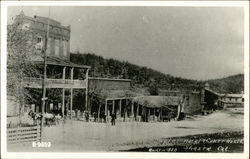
(44, 74)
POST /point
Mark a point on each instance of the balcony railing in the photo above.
(54, 83)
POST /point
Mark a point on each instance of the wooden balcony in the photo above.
(55, 83)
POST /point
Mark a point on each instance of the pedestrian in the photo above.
(113, 119)
(95, 116)
(87, 116)
(104, 118)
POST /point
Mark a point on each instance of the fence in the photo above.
(23, 134)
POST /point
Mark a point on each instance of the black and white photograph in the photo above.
(136, 78)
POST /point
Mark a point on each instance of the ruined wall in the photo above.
(192, 103)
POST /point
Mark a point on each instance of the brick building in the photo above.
(59, 35)
(61, 73)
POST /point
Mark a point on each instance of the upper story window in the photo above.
(56, 47)
(39, 39)
(65, 48)
(48, 46)
(39, 43)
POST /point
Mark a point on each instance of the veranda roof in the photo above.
(157, 101)
(116, 94)
(55, 61)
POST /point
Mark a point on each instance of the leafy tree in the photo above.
(20, 50)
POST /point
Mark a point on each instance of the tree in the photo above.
(153, 88)
(21, 50)
(97, 94)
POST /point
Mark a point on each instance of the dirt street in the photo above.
(78, 136)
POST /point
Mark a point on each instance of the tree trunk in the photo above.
(21, 100)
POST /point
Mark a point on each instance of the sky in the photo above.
(191, 42)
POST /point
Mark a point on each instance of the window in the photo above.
(56, 47)
(65, 48)
(39, 43)
(48, 46)
(39, 39)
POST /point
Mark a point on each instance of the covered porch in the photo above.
(64, 76)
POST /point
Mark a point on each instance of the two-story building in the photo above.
(61, 73)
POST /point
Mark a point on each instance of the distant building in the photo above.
(212, 100)
(191, 100)
(231, 100)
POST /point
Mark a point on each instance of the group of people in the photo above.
(102, 117)
(53, 119)
(50, 118)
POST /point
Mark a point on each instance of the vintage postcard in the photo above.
(125, 79)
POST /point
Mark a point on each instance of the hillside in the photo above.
(231, 84)
(143, 77)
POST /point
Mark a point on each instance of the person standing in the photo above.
(86, 116)
(95, 116)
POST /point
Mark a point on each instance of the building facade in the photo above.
(231, 100)
(59, 35)
(61, 73)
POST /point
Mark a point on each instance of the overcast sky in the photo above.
(190, 42)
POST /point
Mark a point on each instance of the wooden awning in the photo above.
(58, 62)
(157, 101)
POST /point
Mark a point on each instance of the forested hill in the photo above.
(146, 77)
(231, 84)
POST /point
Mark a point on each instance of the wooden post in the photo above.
(120, 107)
(126, 106)
(106, 108)
(178, 112)
(99, 109)
(108, 111)
(63, 93)
(161, 115)
(113, 106)
(87, 85)
(63, 101)
(154, 114)
(132, 109)
(148, 114)
(137, 110)
(71, 92)
(71, 102)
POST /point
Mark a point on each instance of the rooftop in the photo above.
(43, 20)
(157, 101)
(57, 61)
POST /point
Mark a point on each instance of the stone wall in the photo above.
(192, 103)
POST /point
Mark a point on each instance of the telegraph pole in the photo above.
(44, 98)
